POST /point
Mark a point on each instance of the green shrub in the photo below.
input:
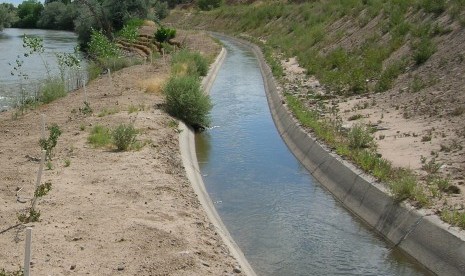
(163, 34)
(453, 217)
(403, 185)
(190, 63)
(124, 136)
(186, 101)
(207, 5)
(101, 47)
(49, 144)
(389, 75)
(18, 272)
(134, 22)
(93, 70)
(360, 137)
(52, 90)
(118, 63)
(433, 6)
(423, 50)
(100, 136)
(129, 32)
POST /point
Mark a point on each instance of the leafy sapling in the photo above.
(49, 144)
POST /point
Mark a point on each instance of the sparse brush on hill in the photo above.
(322, 36)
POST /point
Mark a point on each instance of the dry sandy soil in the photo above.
(414, 128)
(109, 212)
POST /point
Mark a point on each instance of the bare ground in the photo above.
(109, 212)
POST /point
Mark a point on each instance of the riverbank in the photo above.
(109, 212)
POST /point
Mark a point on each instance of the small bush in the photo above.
(18, 272)
(453, 217)
(100, 136)
(101, 47)
(118, 63)
(53, 89)
(431, 166)
(129, 33)
(389, 75)
(93, 70)
(360, 137)
(403, 185)
(124, 136)
(31, 216)
(186, 101)
(164, 34)
(49, 144)
(207, 5)
(423, 51)
(355, 117)
(433, 6)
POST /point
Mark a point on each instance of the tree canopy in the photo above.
(28, 12)
(5, 16)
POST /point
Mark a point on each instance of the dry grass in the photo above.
(154, 84)
(149, 23)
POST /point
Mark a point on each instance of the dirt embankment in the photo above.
(109, 212)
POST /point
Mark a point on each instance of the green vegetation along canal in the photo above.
(283, 220)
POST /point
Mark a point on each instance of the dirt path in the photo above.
(128, 213)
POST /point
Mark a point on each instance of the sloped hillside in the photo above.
(394, 66)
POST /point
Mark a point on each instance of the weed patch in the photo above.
(124, 136)
(100, 136)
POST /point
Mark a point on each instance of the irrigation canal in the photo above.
(280, 216)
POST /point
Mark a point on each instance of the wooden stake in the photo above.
(85, 93)
(27, 252)
(43, 126)
(39, 177)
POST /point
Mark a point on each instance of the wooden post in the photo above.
(27, 252)
(85, 92)
(163, 54)
(39, 177)
(43, 126)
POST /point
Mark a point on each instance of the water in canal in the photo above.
(11, 49)
(280, 216)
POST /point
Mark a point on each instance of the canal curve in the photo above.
(279, 215)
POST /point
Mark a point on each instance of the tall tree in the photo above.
(57, 15)
(29, 12)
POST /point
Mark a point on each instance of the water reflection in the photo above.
(11, 49)
(283, 220)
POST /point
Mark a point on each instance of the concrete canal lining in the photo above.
(433, 243)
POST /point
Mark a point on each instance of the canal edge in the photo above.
(191, 166)
(433, 243)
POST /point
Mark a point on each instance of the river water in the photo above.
(11, 49)
(280, 216)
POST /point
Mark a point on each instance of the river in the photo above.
(11, 49)
(280, 216)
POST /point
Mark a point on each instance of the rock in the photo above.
(237, 269)
(120, 267)
(204, 263)
(72, 267)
